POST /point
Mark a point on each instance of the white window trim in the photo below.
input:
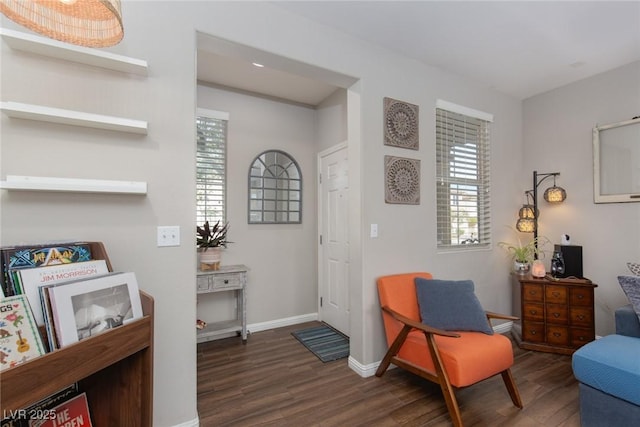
(224, 116)
(212, 114)
(481, 115)
(460, 109)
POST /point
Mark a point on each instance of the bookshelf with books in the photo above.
(114, 368)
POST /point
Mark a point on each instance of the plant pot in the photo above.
(521, 267)
(209, 259)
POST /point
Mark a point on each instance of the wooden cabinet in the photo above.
(114, 368)
(556, 316)
(228, 278)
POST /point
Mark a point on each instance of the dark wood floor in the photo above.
(275, 381)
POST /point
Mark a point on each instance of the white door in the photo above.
(333, 252)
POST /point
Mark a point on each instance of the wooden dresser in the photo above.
(556, 315)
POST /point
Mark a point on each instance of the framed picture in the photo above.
(616, 162)
(89, 307)
(401, 180)
(401, 121)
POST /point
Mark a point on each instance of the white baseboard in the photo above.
(364, 371)
(279, 323)
(191, 423)
(503, 328)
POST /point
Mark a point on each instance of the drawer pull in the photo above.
(532, 292)
(555, 294)
(580, 317)
(533, 311)
(580, 296)
(226, 281)
(557, 334)
(533, 332)
(556, 315)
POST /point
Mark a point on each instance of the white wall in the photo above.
(331, 120)
(558, 138)
(282, 257)
(163, 33)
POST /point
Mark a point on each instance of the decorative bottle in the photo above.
(557, 264)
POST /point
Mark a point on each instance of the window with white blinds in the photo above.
(462, 178)
(211, 153)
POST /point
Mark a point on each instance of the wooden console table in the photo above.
(227, 278)
(557, 315)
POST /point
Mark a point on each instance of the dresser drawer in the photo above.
(533, 311)
(581, 296)
(202, 283)
(581, 316)
(532, 292)
(556, 294)
(581, 336)
(556, 313)
(225, 281)
(533, 332)
(557, 335)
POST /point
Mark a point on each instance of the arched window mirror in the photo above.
(275, 189)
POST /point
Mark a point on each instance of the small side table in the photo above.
(227, 278)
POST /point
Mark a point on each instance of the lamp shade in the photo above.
(526, 225)
(92, 23)
(527, 212)
(555, 194)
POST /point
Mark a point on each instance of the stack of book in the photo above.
(59, 294)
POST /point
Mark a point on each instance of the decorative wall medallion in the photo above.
(401, 180)
(400, 124)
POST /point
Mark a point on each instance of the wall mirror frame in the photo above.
(275, 189)
(616, 162)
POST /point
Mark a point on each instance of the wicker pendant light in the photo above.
(93, 23)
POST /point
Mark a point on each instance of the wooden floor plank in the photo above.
(275, 381)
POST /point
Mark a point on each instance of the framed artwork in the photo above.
(401, 180)
(616, 162)
(400, 124)
(85, 308)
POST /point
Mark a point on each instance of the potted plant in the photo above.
(524, 254)
(209, 241)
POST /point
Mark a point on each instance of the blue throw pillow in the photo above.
(631, 287)
(451, 305)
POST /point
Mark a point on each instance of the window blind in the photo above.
(463, 181)
(211, 169)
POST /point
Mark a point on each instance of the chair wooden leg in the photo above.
(443, 380)
(393, 350)
(512, 388)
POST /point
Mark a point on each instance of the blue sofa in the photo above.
(608, 371)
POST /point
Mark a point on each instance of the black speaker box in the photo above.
(572, 256)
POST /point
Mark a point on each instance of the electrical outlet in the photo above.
(169, 235)
(374, 230)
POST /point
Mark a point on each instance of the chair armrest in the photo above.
(417, 325)
(627, 322)
(492, 315)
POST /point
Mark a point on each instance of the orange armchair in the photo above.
(451, 359)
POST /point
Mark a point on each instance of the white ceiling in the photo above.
(519, 48)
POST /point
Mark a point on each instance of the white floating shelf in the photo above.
(72, 185)
(69, 52)
(74, 118)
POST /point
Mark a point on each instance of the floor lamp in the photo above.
(529, 213)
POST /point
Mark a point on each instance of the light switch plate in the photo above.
(169, 235)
